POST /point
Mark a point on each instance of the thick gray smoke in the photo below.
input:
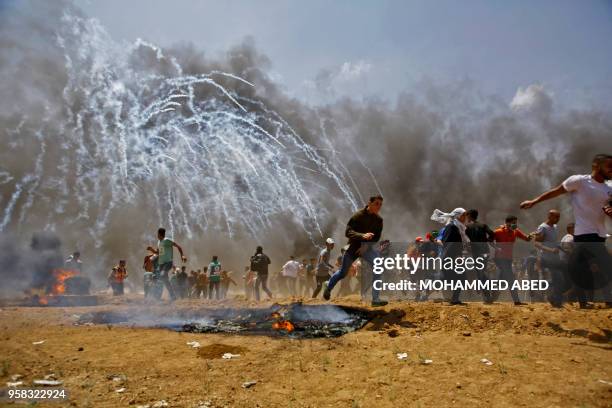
(90, 128)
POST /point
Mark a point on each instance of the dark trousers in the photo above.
(590, 267)
(320, 281)
(506, 273)
(347, 261)
(262, 279)
(117, 288)
(164, 270)
(216, 286)
(556, 268)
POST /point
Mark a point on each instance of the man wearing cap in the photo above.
(323, 266)
(365, 226)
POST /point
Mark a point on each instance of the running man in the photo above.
(165, 254)
(504, 237)
(365, 226)
(591, 198)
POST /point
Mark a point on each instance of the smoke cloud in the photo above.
(67, 97)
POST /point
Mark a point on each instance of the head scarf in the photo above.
(451, 218)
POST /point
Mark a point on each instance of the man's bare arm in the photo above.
(177, 246)
(555, 192)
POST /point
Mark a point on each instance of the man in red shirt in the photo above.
(504, 237)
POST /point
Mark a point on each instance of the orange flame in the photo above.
(60, 276)
(283, 325)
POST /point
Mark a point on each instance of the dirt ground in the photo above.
(541, 357)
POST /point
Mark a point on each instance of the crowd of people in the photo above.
(572, 269)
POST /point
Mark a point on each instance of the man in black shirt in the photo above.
(365, 226)
(480, 235)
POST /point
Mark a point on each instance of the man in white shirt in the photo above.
(289, 273)
(546, 240)
(591, 197)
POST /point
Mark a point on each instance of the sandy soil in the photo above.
(541, 357)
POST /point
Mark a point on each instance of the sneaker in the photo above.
(326, 291)
(379, 303)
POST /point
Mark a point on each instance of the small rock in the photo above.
(80, 349)
(194, 344)
(486, 361)
(485, 313)
(14, 384)
(458, 385)
(249, 384)
(393, 333)
(466, 334)
(402, 356)
(47, 383)
(160, 404)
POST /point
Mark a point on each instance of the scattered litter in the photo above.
(16, 377)
(50, 377)
(228, 356)
(249, 384)
(204, 404)
(18, 383)
(194, 344)
(38, 342)
(160, 404)
(120, 390)
(426, 362)
(47, 383)
(402, 356)
(605, 382)
(486, 362)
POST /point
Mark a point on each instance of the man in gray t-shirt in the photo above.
(548, 243)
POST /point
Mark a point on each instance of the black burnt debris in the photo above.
(294, 320)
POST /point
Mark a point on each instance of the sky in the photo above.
(323, 50)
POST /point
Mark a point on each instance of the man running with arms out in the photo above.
(591, 197)
(365, 226)
(165, 254)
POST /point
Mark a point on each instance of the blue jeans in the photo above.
(347, 262)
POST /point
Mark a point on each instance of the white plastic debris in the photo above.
(402, 356)
(36, 343)
(16, 377)
(229, 356)
(427, 362)
(120, 390)
(194, 344)
(47, 383)
(50, 377)
(605, 382)
(249, 384)
(486, 362)
(19, 383)
(160, 404)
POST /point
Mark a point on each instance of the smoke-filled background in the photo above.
(103, 141)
